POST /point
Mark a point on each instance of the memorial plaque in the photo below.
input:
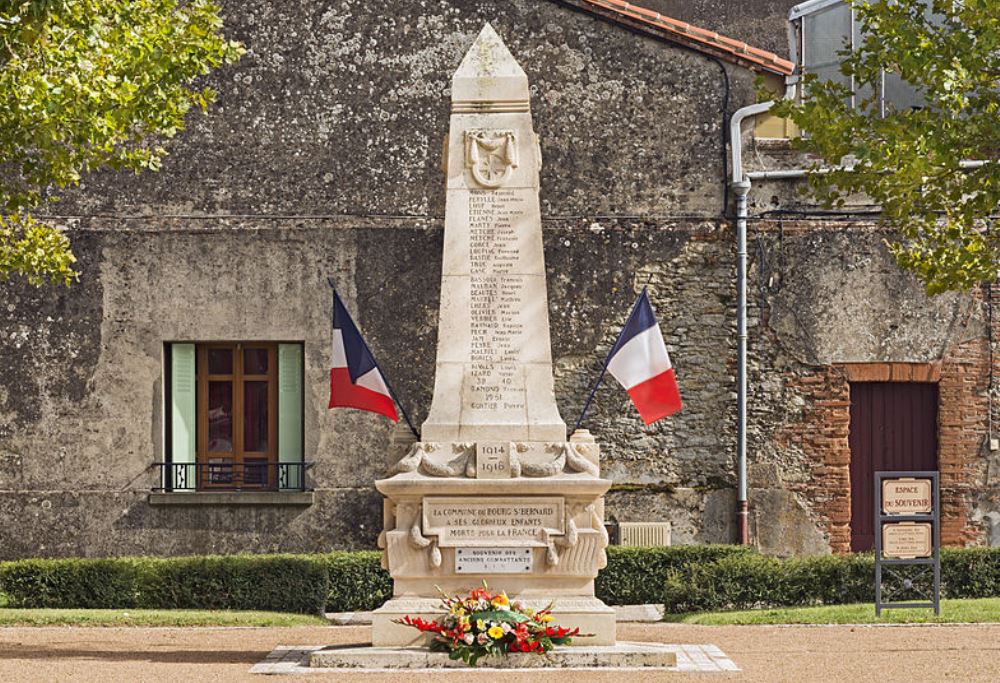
(907, 540)
(906, 496)
(493, 460)
(493, 560)
(490, 521)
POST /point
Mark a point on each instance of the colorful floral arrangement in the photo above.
(482, 624)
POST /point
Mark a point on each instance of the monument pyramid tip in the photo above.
(488, 57)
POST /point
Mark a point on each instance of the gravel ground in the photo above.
(764, 653)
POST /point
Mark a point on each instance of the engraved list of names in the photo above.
(495, 379)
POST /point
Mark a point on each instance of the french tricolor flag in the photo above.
(639, 361)
(355, 379)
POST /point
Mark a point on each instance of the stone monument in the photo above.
(494, 490)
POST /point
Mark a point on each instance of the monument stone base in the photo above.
(632, 655)
(588, 614)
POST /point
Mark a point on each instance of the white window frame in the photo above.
(797, 36)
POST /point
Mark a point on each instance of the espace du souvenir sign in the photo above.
(907, 540)
(907, 496)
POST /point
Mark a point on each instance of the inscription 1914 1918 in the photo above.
(493, 460)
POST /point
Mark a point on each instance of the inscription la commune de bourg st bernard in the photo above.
(492, 522)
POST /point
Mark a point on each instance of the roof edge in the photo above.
(694, 37)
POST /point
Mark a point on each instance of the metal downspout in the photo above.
(742, 189)
(740, 184)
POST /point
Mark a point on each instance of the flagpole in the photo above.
(385, 379)
(604, 369)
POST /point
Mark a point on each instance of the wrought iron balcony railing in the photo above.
(232, 476)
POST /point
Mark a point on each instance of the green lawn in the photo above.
(952, 611)
(152, 617)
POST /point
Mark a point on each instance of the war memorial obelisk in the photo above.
(494, 490)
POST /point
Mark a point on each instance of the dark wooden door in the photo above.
(893, 427)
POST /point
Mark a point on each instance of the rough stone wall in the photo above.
(323, 159)
(829, 306)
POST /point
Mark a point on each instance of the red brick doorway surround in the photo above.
(823, 431)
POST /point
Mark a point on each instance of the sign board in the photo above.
(493, 560)
(493, 460)
(906, 496)
(907, 540)
(493, 521)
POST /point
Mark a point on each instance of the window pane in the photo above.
(900, 95)
(255, 471)
(220, 416)
(831, 73)
(220, 471)
(254, 361)
(255, 416)
(220, 361)
(825, 33)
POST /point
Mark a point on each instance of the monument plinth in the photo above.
(494, 490)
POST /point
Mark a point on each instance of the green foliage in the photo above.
(142, 617)
(970, 572)
(281, 583)
(952, 612)
(357, 581)
(635, 576)
(685, 578)
(38, 252)
(275, 583)
(909, 161)
(85, 584)
(90, 84)
(754, 581)
(749, 581)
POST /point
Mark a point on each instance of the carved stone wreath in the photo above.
(568, 457)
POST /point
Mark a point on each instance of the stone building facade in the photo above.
(322, 160)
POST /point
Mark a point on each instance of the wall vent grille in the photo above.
(644, 533)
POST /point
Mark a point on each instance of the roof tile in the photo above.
(708, 41)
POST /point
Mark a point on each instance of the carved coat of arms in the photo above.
(491, 155)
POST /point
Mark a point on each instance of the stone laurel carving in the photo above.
(491, 155)
(411, 461)
(569, 456)
(578, 461)
(553, 545)
(548, 469)
(598, 524)
(417, 460)
(419, 541)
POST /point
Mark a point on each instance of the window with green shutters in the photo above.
(234, 413)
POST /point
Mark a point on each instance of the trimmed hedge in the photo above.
(357, 581)
(284, 583)
(82, 584)
(634, 576)
(685, 578)
(750, 581)
(274, 583)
